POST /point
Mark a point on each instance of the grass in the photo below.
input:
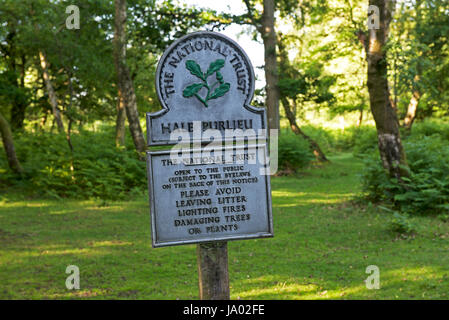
(323, 243)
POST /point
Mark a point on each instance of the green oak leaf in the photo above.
(215, 66)
(220, 91)
(194, 69)
(192, 90)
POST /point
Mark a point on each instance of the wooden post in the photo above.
(213, 273)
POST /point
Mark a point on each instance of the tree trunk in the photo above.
(271, 73)
(360, 119)
(18, 113)
(389, 140)
(19, 104)
(51, 92)
(412, 109)
(416, 93)
(290, 110)
(124, 82)
(295, 108)
(120, 122)
(8, 144)
(319, 154)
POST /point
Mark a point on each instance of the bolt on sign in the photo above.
(214, 183)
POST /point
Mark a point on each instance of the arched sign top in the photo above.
(207, 77)
(201, 64)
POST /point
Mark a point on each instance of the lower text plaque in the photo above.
(218, 197)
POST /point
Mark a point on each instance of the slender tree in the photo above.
(124, 81)
(389, 141)
(271, 74)
(120, 121)
(53, 98)
(8, 144)
(290, 108)
(314, 147)
(264, 25)
(412, 108)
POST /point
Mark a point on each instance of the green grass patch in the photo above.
(323, 243)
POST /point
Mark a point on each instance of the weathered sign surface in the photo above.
(203, 198)
(205, 77)
(205, 82)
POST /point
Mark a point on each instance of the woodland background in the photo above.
(363, 144)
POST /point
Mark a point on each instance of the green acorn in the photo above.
(219, 77)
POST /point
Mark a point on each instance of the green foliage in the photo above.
(325, 138)
(419, 61)
(79, 62)
(430, 127)
(365, 141)
(374, 179)
(426, 190)
(96, 169)
(360, 140)
(401, 223)
(293, 152)
(306, 82)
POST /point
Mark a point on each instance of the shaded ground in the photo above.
(321, 248)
